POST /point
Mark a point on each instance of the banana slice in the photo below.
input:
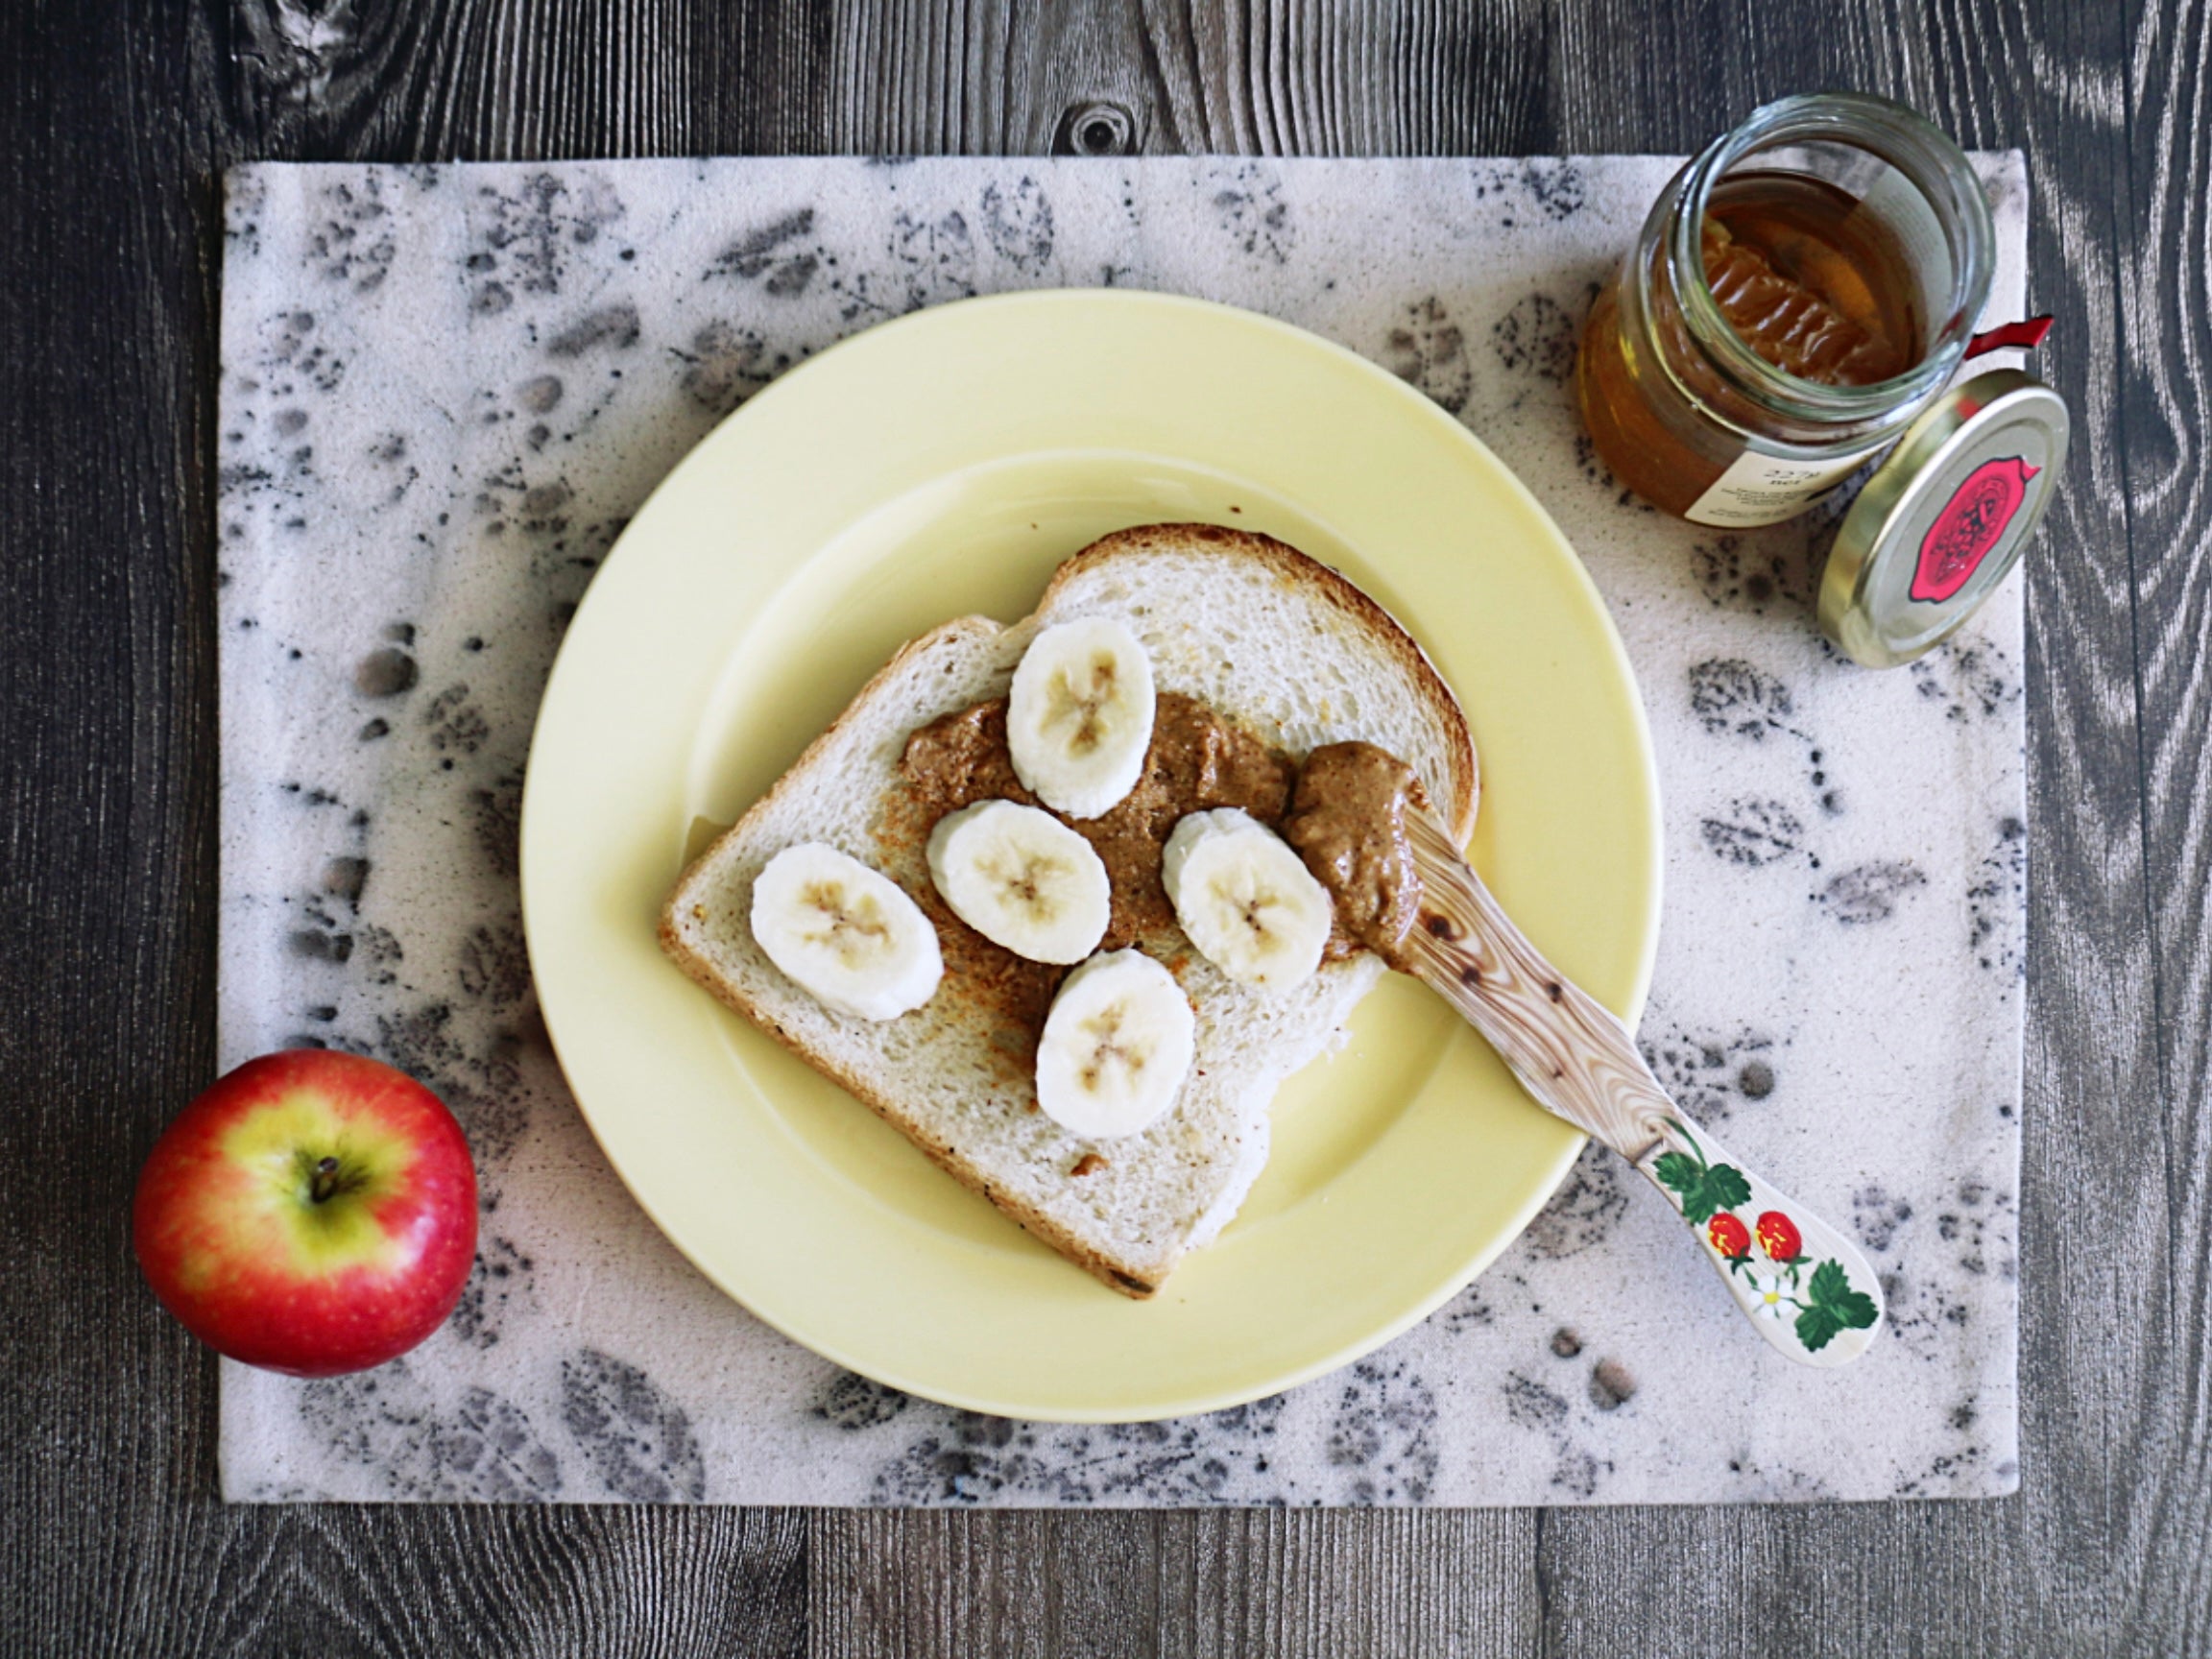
(1021, 878)
(1246, 899)
(1116, 1047)
(845, 932)
(1079, 719)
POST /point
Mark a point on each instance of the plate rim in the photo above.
(762, 406)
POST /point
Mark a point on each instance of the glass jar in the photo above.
(1799, 294)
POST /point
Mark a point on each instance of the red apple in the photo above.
(312, 1213)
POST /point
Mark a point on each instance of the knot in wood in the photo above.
(1097, 127)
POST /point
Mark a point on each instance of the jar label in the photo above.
(1971, 523)
(1766, 489)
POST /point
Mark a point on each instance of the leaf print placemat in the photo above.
(445, 388)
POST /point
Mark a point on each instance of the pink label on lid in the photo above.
(1971, 523)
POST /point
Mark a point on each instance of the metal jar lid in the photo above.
(1942, 521)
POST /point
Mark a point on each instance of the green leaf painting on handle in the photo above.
(1702, 1188)
(1834, 1308)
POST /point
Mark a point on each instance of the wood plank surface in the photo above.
(119, 115)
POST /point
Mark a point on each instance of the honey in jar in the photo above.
(1809, 282)
(1799, 294)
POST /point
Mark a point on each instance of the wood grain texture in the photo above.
(2165, 387)
(120, 116)
(1290, 1584)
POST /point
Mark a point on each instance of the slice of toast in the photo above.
(1266, 636)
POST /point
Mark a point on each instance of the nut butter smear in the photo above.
(1196, 760)
(1348, 822)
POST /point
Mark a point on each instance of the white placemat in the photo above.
(445, 388)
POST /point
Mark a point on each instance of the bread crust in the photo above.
(1126, 1272)
(1108, 1270)
(1333, 587)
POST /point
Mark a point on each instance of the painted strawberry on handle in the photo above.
(1710, 1191)
(1779, 1237)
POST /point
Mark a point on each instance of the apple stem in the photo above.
(325, 1181)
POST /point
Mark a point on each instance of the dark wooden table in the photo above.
(116, 120)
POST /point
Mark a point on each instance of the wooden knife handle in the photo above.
(1806, 1288)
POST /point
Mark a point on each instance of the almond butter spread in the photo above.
(1197, 760)
(1348, 822)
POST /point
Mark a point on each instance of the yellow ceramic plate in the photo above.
(942, 465)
